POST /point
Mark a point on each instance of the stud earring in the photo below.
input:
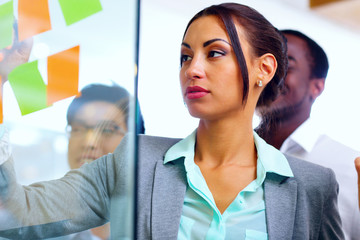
(259, 83)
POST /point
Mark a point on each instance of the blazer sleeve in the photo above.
(331, 222)
(78, 201)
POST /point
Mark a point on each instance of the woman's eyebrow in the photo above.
(207, 43)
(185, 45)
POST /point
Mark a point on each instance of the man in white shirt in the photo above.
(285, 124)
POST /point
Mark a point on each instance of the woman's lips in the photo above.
(195, 92)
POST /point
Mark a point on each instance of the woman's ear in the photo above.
(267, 66)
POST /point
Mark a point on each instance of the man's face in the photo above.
(296, 95)
(96, 130)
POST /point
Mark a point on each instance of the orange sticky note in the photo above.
(1, 102)
(34, 18)
(63, 75)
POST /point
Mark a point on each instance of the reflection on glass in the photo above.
(97, 122)
(67, 99)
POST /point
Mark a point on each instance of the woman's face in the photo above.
(97, 129)
(210, 78)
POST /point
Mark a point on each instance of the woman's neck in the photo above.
(225, 142)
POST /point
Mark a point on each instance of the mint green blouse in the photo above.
(245, 216)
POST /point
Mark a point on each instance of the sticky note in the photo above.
(6, 24)
(76, 10)
(63, 75)
(34, 18)
(29, 87)
(1, 102)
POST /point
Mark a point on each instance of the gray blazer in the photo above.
(302, 207)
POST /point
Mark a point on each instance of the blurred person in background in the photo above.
(97, 121)
(286, 124)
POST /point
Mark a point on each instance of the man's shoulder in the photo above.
(332, 145)
(333, 154)
(309, 132)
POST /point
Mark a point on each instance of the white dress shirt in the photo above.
(308, 144)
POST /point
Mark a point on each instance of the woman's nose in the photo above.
(195, 69)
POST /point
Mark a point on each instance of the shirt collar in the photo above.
(305, 136)
(183, 149)
(271, 159)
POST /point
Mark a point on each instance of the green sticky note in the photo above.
(28, 87)
(6, 24)
(76, 10)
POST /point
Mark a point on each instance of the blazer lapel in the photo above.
(167, 199)
(280, 206)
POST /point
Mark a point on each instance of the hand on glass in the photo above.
(14, 56)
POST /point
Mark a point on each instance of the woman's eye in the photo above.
(216, 54)
(184, 58)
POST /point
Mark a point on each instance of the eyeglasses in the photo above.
(103, 130)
